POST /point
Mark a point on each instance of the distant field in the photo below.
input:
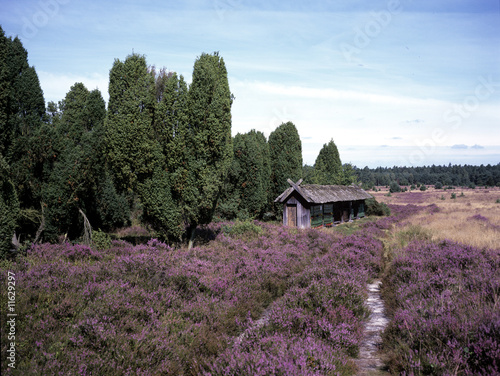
(473, 217)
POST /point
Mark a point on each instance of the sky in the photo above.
(391, 82)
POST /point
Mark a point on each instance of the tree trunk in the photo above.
(87, 229)
(191, 234)
(41, 228)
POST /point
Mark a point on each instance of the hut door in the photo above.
(291, 215)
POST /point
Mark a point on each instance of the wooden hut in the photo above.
(321, 205)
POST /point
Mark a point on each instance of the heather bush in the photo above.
(443, 299)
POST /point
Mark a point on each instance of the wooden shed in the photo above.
(314, 205)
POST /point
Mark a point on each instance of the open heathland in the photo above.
(469, 216)
(442, 294)
(152, 309)
(443, 299)
(262, 299)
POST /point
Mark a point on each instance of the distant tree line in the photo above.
(451, 175)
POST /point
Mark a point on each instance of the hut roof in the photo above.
(321, 194)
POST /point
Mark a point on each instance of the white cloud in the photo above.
(56, 86)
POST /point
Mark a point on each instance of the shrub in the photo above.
(394, 187)
(101, 240)
(373, 207)
(453, 196)
(438, 185)
(240, 228)
(423, 188)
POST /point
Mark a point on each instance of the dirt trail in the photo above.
(369, 362)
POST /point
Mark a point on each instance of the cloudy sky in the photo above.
(392, 82)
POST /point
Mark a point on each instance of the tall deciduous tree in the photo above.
(209, 143)
(328, 167)
(285, 151)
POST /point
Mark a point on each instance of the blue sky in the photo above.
(392, 82)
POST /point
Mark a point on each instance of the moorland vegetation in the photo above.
(251, 297)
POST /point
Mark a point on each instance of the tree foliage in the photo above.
(328, 167)
(21, 113)
(161, 193)
(247, 187)
(466, 175)
(209, 148)
(285, 154)
(9, 209)
(78, 178)
(132, 151)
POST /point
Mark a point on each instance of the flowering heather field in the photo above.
(151, 309)
(444, 299)
(260, 299)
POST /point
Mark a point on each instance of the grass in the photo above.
(454, 219)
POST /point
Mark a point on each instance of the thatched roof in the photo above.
(322, 194)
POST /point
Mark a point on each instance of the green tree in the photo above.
(161, 194)
(4, 90)
(328, 167)
(22, 137)
(21, 115)
(308, 174)
(9, 209)
(285, 154)
(209, 144)
(349, 173)
(78, 178)
(131, 148)
(394, 187)
(246, 190)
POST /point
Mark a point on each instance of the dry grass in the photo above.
(472, 218)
